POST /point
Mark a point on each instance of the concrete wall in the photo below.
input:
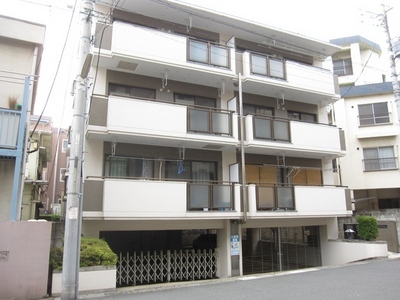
(24, 259)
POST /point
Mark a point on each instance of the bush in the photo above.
(367, 228)
(94, 252)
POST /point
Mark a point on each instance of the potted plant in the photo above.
(97, 266)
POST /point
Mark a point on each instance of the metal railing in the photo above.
(209, 196)
(209, 120)
(377, 164)
(276, 197)
(208, 53)
(9, 124)
(157, 267)
(271, 128)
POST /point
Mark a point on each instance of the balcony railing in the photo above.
(129, 197)
(9, 124)
(208, 53)
(145, 118)
(209, 196)
(277, 197)
(209, 121)
(292, 136)
(271, 128)
(375, 119)
(299, 200)
(379, 164)
(267, 66)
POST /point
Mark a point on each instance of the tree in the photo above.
(367, 228)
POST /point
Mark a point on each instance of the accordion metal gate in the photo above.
(156, 267)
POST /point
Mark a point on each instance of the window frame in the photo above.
(378, 163)
(131, 88)
(346, 67)
(374, 116)
(291, 112)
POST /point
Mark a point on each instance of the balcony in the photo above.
(151, 52)
(151, 199)
(297, 201)
(271, 76)
(271, 135)
(151, 122)
(9, 124)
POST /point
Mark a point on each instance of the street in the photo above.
(375, 279)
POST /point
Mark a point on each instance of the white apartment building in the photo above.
(367, 112)
(209, 132)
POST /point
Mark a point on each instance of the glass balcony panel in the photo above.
(285, 197)
(222, 196)
(265, 197)
(262, 128)
(198, 52)
(259, 65)
(220, 123)
(219, 56)
(276, 68)
(199, 120)
(281, 130)
(199, 196)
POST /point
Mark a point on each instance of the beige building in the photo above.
(208, 146)
(21, 46)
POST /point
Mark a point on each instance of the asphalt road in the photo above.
(376, 279)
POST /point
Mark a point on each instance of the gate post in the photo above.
(168, 265)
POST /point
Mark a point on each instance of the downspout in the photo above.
(25, 147)
(242, 154)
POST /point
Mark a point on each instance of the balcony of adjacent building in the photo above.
(152, 122)
(274, 76)
(163, 54)
(292, 137)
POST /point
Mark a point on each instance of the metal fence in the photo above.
(156, 267)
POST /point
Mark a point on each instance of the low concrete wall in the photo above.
(100, 278)
(24, 259)
(345, 251)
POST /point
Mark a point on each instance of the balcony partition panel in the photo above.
(275, 197)
(209, 53)
(209, 121)
(271, 128)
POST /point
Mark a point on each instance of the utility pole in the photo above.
(393, 73)
(73, 214)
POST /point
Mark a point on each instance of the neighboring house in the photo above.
(56, 173)
(39, 155)
(21, 47)
(368, 114)
(208, 127)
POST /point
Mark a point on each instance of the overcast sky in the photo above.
(318, 19)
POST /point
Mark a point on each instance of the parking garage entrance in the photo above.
(280, 249)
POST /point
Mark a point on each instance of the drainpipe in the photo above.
(243, 162)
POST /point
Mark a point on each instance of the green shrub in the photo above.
(367, 228)
(53, 217)
(94, 252)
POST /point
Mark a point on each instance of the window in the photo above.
(307, 117)
(373, 114)
(342, 67)
(380, 158)
(249, 109)
(131, 91)
(195, 170)
(62, 174)
(194, 100)
(117, 166)
(208, 53)
(267, 66)
(64, 145)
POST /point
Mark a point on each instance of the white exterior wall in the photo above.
(358, 138)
